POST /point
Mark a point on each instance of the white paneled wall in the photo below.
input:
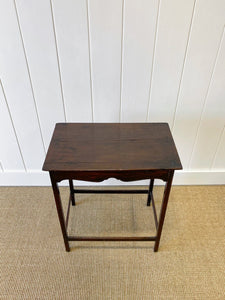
(173, 33)
(140, 21)
(37, 34)
(205, 39)
(105, 31)
(18, 92)
(72, 41)
(112, 61)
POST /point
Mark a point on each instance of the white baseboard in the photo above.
(39, 178)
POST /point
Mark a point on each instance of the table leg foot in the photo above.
(58, 203)
(163, 209)
(156, 246)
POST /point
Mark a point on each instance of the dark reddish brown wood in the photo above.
(72, 197)
(98, 151)
(111, 147)
(150, 192)
(112, 239)
(163, 209)
(96, 176)
(58, 203)
(90, 191)
(154, 211)
(68, 213)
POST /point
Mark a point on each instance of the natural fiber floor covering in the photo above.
(190, 263)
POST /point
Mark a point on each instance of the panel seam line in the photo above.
(206, 97)
(183, 66)
(89, 56)
(14, 129)
(153, 61)
(217, 147)
(58, 62)
(29, 75)
(121, 66)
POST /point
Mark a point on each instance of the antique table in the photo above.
(125, 151)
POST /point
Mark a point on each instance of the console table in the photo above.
(98, 151)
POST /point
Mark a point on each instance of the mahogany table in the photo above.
(98, 151)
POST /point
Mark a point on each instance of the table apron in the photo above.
(98, 176)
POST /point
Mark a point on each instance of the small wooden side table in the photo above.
(98, 151)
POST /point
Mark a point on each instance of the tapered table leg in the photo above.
(163, 209)
(60, 211)
(72, 198)
(150, 192)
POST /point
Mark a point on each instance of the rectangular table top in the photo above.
(111, 147)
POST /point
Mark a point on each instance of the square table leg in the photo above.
(72, 198)
(150, 192)
(58, 203)
(161, 217)
(163, 209)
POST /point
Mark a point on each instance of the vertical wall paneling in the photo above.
(208, 23)
(171, 43)
(90, 65)
(72, 39)
(10, 155)
(38, 37)
(219, 159)
(213, 116)
(16, 83)
(105, 21)
(138, 44)
(121, 61)
(112, 61)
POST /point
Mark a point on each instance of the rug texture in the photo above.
(190, 263)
